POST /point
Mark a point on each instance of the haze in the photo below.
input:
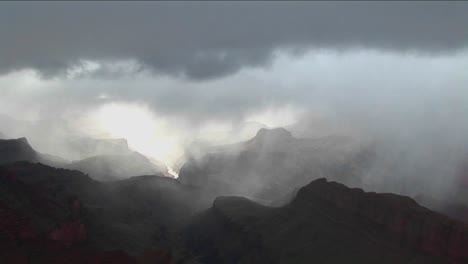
(164, 75)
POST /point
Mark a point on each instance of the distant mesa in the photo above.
(86, 147)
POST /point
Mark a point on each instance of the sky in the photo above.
(163, 74)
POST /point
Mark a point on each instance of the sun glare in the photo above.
(145, 132)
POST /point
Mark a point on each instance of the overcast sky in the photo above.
(182, 69)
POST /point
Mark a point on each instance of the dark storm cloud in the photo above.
(202, 40)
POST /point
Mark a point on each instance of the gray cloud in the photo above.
(395, 72)
(203, 40)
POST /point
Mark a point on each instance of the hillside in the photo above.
(68, 207)
(116, 167)
(327, 222)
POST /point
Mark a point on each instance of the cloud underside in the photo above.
(207, 40)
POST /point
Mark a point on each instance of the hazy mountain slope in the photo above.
(115, 167)
(104, 167)
(111, 158)
(12, 150)
(86, 147)
(274, 163)
(327, 223)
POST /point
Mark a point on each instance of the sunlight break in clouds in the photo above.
(144, 131)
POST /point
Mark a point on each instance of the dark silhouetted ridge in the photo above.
(12, 150)
(328, 222)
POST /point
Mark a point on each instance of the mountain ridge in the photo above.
(327, 217)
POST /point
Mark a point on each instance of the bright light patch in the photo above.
(145, 132)
(172, 172)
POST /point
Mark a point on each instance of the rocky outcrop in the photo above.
(12, 150)
(400, 217)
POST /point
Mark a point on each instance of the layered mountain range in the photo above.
(260, 201)
(119, 165)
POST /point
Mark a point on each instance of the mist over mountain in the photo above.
(12, 150)
(114, 167)
(135, 214)
(274, 163)
(88, 147)
(121, 165)
(233, 132)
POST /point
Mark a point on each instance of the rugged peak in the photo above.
(15, 150)
(398, 216)
(23, 140)
(330, 190)
(270, 139)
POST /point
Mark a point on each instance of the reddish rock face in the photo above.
(21, 243)
(69, 233)
(14, 227)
